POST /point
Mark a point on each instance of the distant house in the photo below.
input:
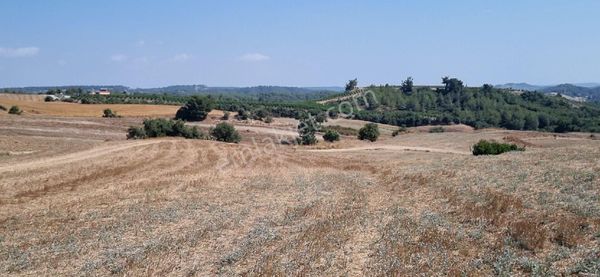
(102, 91)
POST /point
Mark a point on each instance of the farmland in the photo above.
(77, 198)
(35, 105)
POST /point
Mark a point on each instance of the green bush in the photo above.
(158, 127)
(484, 147)
(331, 136)
(161, 127)
(437, 130)
(15, 110)
(109, 113)
(225, 116)
(136, 133)
(225, 132)
(369, 132)
(196, 109)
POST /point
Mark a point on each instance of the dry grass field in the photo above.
(35, 105)
(76, 198)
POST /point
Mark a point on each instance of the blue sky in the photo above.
(297, 43)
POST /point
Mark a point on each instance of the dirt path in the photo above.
(392, 147)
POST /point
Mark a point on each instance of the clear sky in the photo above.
(297, 43)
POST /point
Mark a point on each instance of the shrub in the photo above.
(397, 132)
(225, 116)
(437, 130)
(15, 110)
(331, 136)
(196, 109)
(179, 129)
(161, 127)
(225, 132)
(484, 147)
(2, 108)
(109, 113)
(158, 127)
(136, 133)
(369, 132)
(307, 129)
(268, 119)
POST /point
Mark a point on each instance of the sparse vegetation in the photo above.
(369, 132)
(15, 110)
(331, 136)
(345, 131)
(2, 108)
(484, 147)
(397, 132)
(161, 127)
(225, 132)
(438, 129)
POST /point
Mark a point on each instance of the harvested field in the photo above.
(35, 105)
(76, 198)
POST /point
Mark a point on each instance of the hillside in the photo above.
(77, 198)
(477, 107)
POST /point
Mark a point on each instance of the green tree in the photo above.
(453, 85)
(351, 85)
(226, 132)
(369, 132)
(407, 85)
(531, 122)
(307, 129)
(196, 109)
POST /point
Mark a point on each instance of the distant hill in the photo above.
(587, 91)
(591, 94)
(520, 86)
